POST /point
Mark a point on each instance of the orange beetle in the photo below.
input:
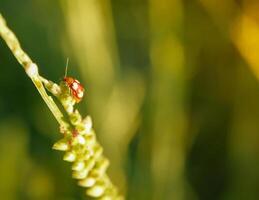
(76, 89)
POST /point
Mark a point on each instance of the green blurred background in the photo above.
(171, 85)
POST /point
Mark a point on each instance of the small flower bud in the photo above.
(87, 182)
(78, 166)
(80, 139)
(85, 155)
(87, 124)
(75, 118)
(90, 140)
(69, 108)
(32, 70)
(80, 174)
(96, 191)
(61, 145)
(89, 164)
(55, 89)
(100, 168)
(69, 156)
(98, 150)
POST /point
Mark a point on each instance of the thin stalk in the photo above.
(30, 68)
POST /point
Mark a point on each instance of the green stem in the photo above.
(30, 68)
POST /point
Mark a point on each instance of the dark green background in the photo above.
(173, 97)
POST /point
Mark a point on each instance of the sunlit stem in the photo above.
(30, 68)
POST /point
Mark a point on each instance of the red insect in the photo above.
(76, 89)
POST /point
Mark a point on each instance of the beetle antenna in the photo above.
(66, 67)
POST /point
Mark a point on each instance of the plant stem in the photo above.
(30, 68)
